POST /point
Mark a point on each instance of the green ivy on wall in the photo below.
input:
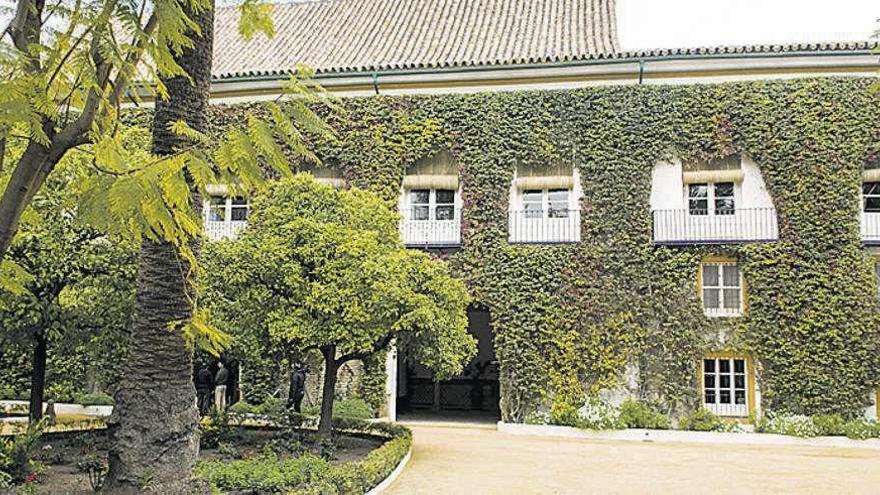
(569, 320)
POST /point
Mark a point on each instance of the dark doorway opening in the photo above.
(471, 395)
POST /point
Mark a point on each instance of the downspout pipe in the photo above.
(641, 70)
(376, 82)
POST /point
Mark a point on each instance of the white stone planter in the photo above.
(678, 436)
(60, 408)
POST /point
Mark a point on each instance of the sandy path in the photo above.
(479, 460)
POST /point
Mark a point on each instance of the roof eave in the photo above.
(610, 60)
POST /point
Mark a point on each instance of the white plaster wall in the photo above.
(754, 192)
(667, 188)
(578, 191)
(871, 412)
(628, 388)
(758, 411)
(391, 383)
(668, 193)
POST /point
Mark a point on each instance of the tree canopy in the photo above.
(79, 293)
(323, 269)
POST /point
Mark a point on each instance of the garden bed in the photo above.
(242, 459)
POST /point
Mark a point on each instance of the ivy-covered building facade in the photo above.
(691, 228)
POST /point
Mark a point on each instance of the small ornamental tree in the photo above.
(80, 290)
(322, 269)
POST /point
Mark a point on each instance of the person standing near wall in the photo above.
(204, 384)
(297, 387)
(220, 381)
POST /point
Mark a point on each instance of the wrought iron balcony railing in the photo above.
(871, 227)
(553, 226)
(740, 225)
(434, 226)
(218, 230)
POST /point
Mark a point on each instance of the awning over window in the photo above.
(712, 176)
(330, 176)
(556, 176)
(217, 189)
(437, 172)
(871, 175)
(726, 169)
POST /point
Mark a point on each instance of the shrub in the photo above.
(563, 414)
(830, 425)
(15, 454)
(597, 414)
(264, 473)
(271, 407)
(793, 425)
(861, 430)
(96, 468)
(242, 407)
(352, 408)
(214, 429)
(309, 473)
(95, 399)
(538, 418)
(703, 420)
(638, 414)
(60, 392)
(7, 393)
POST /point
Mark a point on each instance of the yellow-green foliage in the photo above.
(320, 267)
(310, 474)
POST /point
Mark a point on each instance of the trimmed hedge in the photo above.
(311, 474)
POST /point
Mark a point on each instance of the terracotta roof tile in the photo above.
(335, 36)
(365, 35)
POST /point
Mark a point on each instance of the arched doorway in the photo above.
(472, 395)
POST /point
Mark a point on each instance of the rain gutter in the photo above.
(376, 74)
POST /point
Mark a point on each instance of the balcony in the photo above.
(218, 230)
(554, 226)
(742, 225)
(421, 228)
(871, 228)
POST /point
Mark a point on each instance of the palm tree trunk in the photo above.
(154, 427)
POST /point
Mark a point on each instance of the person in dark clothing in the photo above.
(297, 387)
(204, 384)
(220, 381)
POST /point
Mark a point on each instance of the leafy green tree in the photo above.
(81, 287)
(67, 67)
(321, 269)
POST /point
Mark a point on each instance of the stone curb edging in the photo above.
(678, 436)
(381, 487)
(63, 408)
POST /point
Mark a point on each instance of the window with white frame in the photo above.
(877, 274)
(431, 204)
(871, 197)
(711, 198)
(722, 289)
(223, 209)
(725, 386)
(546, 203)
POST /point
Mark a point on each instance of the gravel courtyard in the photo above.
(479, 460)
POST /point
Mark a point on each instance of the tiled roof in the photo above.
(342, 36)
(839, 46)
(365, 35)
